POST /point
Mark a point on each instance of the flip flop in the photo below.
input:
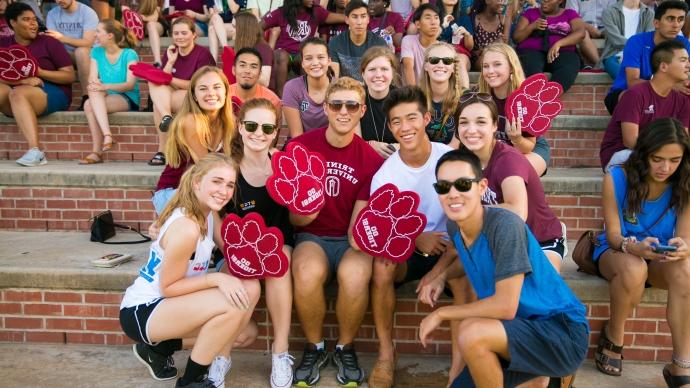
(92, 158)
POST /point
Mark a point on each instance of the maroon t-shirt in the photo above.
(348, 178)
(307, 25)
(49, 53)
(332, 30)
(171, 176)
(183, 5)
(641, 105)
(378, 24)
(185, 66)
(506, 162)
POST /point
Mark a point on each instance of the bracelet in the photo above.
(624, 244)
(679, 362)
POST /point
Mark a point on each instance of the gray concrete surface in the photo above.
(70, 366)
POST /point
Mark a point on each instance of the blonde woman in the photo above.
(204, 124)
(112, 86)
(174, 302)
(442, 83)
(501, 73)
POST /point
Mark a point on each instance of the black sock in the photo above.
(193, 372)
(168, 347)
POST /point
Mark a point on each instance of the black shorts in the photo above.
(611, 100)
(134, 320)
(555, 245)
(418, 265)
(133, 107)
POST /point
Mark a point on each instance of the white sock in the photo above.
(321, 345)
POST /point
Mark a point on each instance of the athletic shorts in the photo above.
(133, 106)
(543, 149)
(334, 247)
(556, 245)
(418, 265)
(134, 320)
(552, 347)
(56, 99)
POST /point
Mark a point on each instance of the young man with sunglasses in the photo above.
(411, 169)
(526, 322)
(247, 71)
(324, 247)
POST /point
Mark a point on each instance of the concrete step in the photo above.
(68, 366)
(574, 139)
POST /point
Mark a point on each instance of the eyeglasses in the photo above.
(445, 60)
(462, 185)
(252, 126)
(486, 97)
(351, 106)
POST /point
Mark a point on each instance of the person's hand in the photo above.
(645, 249)
(514, 129)
(428, 325)
(431, 243)
(154, 229)
(683, 87)
(447, 20)
(429, 290)
(381, 148)
(172, 53)
(462, 31)
(389, 30)
(95, 86)
(190, 14)
(540, 24)
(679, 254)
(553, 53)
(32, 81)
(55, 34)
(233, 289)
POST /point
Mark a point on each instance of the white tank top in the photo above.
(146, 287)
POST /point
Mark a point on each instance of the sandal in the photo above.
(165, 123)
(675, 381)
(107, 145)
(92, 158)
(158, 159)
(603, 361)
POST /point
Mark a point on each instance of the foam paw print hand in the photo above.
(133, 22)
(17, 63)
(148, 72)
(297, 180)
(389, 224)
(252, 250)
(535, 103)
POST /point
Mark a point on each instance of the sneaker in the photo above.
(307, 373)
(33, 157)
(160, 367)
(281, 370)
(218, 370)
(564, 231)
(204, 383)
(349, 373)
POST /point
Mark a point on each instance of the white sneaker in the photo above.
(564, 230)
(32, 157)
(218, 370)
(281, 370)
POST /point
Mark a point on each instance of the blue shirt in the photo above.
(657, 218)
(637, 53)
(115, 73)
(505, 248)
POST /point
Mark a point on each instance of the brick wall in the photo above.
(31, 315)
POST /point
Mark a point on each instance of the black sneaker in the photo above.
(307, 373)
(349, 373)
(165, 123)
(160, 367)
(204, 383)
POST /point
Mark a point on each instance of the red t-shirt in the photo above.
(185, 66)
(307, 25)
(348, 178)
(505, 162)
(641, 105)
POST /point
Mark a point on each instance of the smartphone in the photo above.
(658, 248)
(111, 260)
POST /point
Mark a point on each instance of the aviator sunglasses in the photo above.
(445, 60)
(252, 126)
(462, 185)
(486, 97)
(351, 106)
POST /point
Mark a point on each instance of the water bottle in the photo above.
(389, 40)
(456, 38)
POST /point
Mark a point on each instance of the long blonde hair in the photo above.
(177, 149)
(186, 198)
(147, 7)
(517, 75)
(450, 102)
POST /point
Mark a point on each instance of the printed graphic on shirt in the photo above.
(148, 271)
(489, 197)
(304, 106)
(303, 31)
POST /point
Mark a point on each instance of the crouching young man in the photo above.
(526, 323)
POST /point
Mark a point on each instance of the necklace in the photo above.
(373, 120)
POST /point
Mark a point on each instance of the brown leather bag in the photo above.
(583, 252)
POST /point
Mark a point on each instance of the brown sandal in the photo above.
(107, 145)
(92, 158)
(604, 362)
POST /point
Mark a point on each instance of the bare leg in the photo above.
(589, 50)
(310, 272)
(216, 35)
(354, 273)
(27, 103)
(5, 99)
(555, 260)
(462, 70)
(281, 62)
(383, 303)
(481, 342)
(462, 294)
(161, 97)
(82, 57)
(279, 304)
(155, 30)
(537, 162)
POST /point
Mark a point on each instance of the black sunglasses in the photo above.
(351, 106)
(251, 126)
(445, 60)
(486, 97)
(462, 185)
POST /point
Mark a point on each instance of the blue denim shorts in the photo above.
(56, 99)
(334, 247)
(161, 198)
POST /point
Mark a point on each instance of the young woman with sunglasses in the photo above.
(251, 144)
(501, 75)
(204, 124)
(443, 81)
(303, 97)
(512, 182)
(380, 73)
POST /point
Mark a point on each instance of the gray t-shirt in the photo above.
(72, 24)
(349, 55)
